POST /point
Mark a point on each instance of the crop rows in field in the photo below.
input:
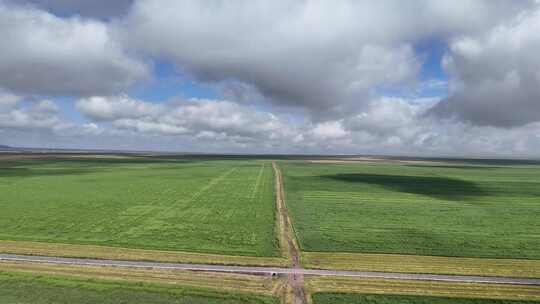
(455, 211)
(332, 298)
(17, 287)
(417, 288)
(222, 207)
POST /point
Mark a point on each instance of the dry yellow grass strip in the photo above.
(423, 288)
(422, 264)
(117, 253)
(263, 285)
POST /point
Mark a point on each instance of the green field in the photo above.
(445, 209)
(33, 289)
(213, 206)
(335, 298)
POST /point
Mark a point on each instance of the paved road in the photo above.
(269, 270)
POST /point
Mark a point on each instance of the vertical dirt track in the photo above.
(288, 241)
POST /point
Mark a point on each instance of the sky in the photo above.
(392, 77)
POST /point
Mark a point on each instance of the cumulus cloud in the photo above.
(387, 125)
(205, 119)
(36, 115)
(20, 117)
(116, 107)
(270, 63)
(324, 56)
(387, 115)
(47, 55)
(328, 130)
(401, 126)
(496, 75)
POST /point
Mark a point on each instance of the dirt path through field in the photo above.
(288, 241)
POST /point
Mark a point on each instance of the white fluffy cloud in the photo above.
(320, 68)
(323, 56)
(397, 125)
(116, 107)
(205, 119)
(20, 118)
(328, 130)
(495, 74)
(47, 55)
(401, 126)
(389, 115)
(32, 116)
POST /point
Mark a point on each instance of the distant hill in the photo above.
(5, 148)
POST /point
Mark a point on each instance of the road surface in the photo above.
(269, 270)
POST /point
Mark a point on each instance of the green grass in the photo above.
(213, 206)
(33, 289)
(334, 298)
(443, 209)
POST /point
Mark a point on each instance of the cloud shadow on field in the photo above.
(433, 186)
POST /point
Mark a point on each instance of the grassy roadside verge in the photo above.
(16, 287)
(422, 264)
(331, 298)
(117, 253)
(422, 288)
(243, 283)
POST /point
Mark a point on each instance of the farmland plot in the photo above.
(328, 298)
(445, 209)
(34, 289)
(213, 206)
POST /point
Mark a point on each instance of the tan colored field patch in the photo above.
(422, 288)
(116, 253)
(263, 285)
(422, 264)
(369, 160)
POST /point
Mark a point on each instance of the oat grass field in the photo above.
(448, 209)
(329, 298)
(31, 288)
(171, 278)
(207, 206)
(415, 216)
(456, 290)
(524, 268)
(133, 254)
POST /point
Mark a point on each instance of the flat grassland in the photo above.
(332, 298)
(486, 210)
(34, 289)
(171, 278)
(462, 290)
(209, 206)
(421, 264)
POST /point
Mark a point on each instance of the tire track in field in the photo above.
(258, 181)
(288, 241)
(145, 214)
(204, 189)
